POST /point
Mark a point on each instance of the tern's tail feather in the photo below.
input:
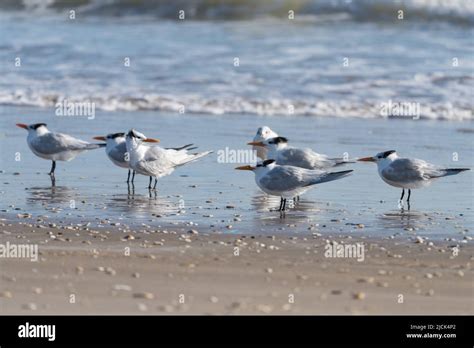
(187, 147)
(340, 161)
(330, 177)
(95, 146)
(453, 171)
(194, 157)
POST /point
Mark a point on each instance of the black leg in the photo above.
(284, 204)
(408, 199)
(128, 177)
(149, 185)
(51, 173)
(403, 194)
(133, 177)
(154, 186)
(53, 167)
(281, 204)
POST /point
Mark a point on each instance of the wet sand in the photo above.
(184, 270)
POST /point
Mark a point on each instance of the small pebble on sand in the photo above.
(30, 306)
(145, 295)
(6, 294)
(359, 296)
(214, 299)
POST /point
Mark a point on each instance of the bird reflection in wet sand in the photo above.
(139, 204)
(403, 219)
(152, 194)
(61, 195)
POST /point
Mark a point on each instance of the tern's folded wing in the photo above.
(306, 158)
(118, 153)
(406, 170)
(52, 143)
(296, 157)
(287, 178)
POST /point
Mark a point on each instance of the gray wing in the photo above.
(118, 152)
(295, 157)
(306, 158)
(51, 143)
(288, 178)
(406, 170)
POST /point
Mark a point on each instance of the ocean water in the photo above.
(322, 79)
(335, 58)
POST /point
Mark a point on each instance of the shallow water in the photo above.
(211, 195)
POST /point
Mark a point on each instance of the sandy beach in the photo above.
(119, 270)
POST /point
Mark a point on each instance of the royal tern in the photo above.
(279, 150)
(408, 173)
(116, 150)
(54, 146)
(263, 133)
(289, 181)
(155, 161)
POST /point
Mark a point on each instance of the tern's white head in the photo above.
(135, 138)
(260, 168)
(112, 139)
(264, 133)
(276, 143)
(34, 129)
(382, 158)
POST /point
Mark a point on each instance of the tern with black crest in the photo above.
(155, 161)
(408, 173)
(279, 150)
(289, 181)
(54, 146)
(116, 151)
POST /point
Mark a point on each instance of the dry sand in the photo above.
(118, 270)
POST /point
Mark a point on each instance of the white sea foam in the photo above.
(238, 105)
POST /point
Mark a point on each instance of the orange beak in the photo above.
(366, 159)
(151, 140)
(22, 125)
(100, 138)
(245, 168)
(256, 143)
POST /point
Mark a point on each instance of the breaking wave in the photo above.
(454, 11)
(239, 105)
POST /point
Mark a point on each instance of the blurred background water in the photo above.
(335, 58)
